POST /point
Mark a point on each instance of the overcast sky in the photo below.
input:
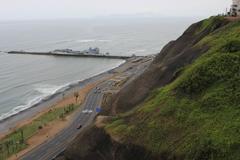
(55, 9)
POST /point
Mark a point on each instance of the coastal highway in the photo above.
(56, 145)
(51, 148)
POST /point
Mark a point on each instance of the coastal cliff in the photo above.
(186, 105)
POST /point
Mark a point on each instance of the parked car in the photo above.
(79, 127)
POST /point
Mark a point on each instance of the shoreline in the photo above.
(113, 79)
(57, 125)
(10, 123)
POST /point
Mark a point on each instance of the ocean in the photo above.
(27, 79)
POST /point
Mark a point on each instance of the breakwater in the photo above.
(72, 55)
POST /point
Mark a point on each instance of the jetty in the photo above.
(65, 54)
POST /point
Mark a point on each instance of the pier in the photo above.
(71, 55)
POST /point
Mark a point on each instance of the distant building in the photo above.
(63, 50)
(235, 8)
(92, 51)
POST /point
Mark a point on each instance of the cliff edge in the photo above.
(186, 105)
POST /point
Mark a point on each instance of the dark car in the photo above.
(79, 127)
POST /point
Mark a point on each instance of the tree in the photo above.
(22, 136)
(76, 95)
(40, 127)
(8, 147)
(1, 148)
(61, 116)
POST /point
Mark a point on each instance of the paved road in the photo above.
(53, 147)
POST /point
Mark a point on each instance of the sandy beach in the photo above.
(11, 123)
(58, 99)
(63, 99)
(57, 125)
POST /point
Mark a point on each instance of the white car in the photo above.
(87, 111)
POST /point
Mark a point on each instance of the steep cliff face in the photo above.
(184, 106)
(96, 144)
(163, 70)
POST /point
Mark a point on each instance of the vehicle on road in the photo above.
(87, 111)
(97, 90)
(79, 127)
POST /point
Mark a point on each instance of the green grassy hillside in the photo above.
(197, 116)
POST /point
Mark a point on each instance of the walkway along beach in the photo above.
(125, 72)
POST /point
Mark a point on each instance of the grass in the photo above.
(197, 115)
(210, 23)
(17, 141)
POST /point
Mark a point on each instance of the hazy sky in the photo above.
(48, 9)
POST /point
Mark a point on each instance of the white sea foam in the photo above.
(20, 108)
(92, 40)
(136, 51)
(79, 41)
(63, 41)
(45, 90)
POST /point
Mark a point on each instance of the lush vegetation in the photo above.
(198, 115)
(210, 23)
(17, 140)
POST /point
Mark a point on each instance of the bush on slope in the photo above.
(198, 115)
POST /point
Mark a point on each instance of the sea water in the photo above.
(27, 79)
